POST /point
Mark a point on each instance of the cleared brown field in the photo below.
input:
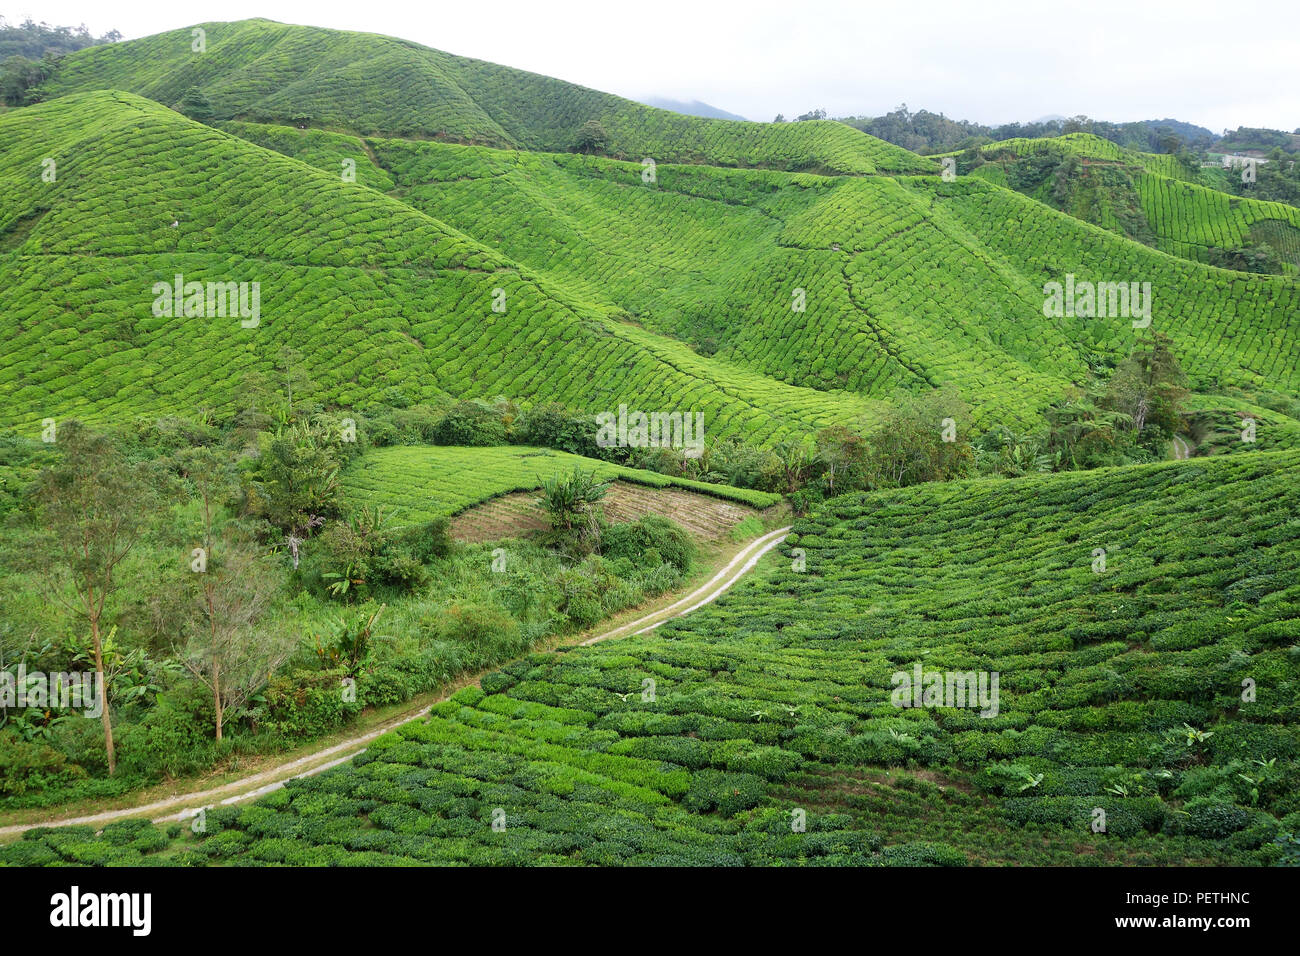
(707, 518)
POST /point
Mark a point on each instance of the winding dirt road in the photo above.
(185, 806)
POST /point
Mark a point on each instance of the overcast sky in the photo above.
(1217, 63)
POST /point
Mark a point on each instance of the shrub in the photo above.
(304, 703)
(1214, 818)
(634, 540)
(471, 423)
(28, 765)
(428, 541)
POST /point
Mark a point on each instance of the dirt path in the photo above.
(1182, 450)
(184, 806)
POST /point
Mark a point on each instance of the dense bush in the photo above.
(649, 542)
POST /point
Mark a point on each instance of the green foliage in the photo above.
(591, 138)
(572, 506)
(30, 765)
(650, 539)
(471, 423)
(374, 294)
(298, 478)
(778, 696)
(196, 105)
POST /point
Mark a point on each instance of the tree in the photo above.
(95, 507)
(288, 363)
(842, 455)
(196, 105)
(572, 506)
(795, 463)
(1081, 433)
(1149, 386)
(591, 138)
(299, 480)
(18, 78)
(918, 441)
(233, 587)
(225, 648)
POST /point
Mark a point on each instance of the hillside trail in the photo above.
(184, 806)
(1182, 450)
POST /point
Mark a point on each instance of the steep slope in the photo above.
(1229, 328)
(262, 70)
(1153, 198)
(373, 292)
(906, 283)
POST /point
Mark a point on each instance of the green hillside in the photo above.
(1121, 689)
(673, 294)
(374, 293)
(908, 283)
(260, 70)
(1152, 198)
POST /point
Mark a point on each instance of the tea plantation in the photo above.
(897, 293)
(264, 71)
(422, 483)
(1157, 199)
(373, 293)
(1160, 689)
(302, 286)
(776, 303)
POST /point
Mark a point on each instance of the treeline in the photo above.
(34, 40)
(1123, 415)
(1277, 180)
(925, 132)
(30, 51)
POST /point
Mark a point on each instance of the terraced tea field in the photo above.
(420, 483)
(905, 284)
(898, 295)
(373, 293)
(216, 243)
(265, 71)
(1173, 207)
(779, 698)
(708, 519)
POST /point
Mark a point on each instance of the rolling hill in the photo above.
(1152, 198)
(374, 292)
(909, 282)
(261, 70)
(423, 229)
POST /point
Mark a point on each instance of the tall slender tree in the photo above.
(95, 506)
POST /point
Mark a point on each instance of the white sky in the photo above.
(1217, 63)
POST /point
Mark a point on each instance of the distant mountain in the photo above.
(693, 108)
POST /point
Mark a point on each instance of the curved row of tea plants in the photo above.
(265, 71)
(423, 482)
(1160, 688)
(373, 293)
